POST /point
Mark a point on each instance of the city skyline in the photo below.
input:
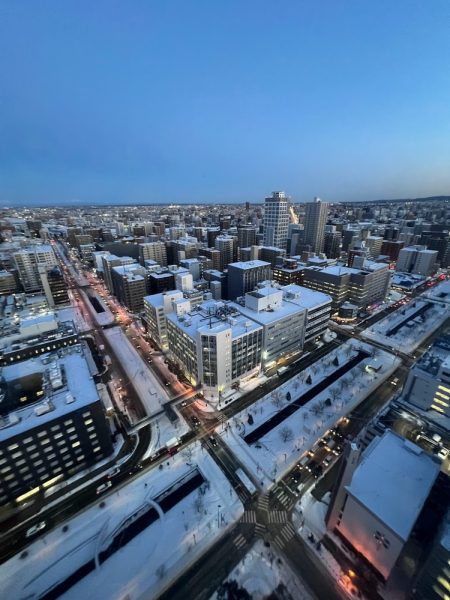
(195, 104)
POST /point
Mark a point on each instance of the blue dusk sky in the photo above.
(223, 101)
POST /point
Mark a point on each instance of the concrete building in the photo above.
(283, 323)
(27, 263)
(153, 251)
(246, 236)
(156, 307)
(271, 254)
(391, 248)
(332, 244)
(8, 283)
(227, 246)
(362, 286)
(316, 214)
(290, 270)
(215, 346)
(52, 423)
(110, 261)
(276, 220)
(428, 383)
(161, 280)
(130, 285)
(243, 277)
(433, 582)
(54, 285)
(374, 244)
(418, 260)
(317, 306)
(382, 503)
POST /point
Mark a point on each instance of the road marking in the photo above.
(263, 502)
(279, 543)
(239, 541)
(277, 516)
(287, 533)
(249, 517)
(284, 499)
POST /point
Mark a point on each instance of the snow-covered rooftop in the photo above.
(304, 297)
(78, 391)
(206, 318)
(393, 481)
(249, 264)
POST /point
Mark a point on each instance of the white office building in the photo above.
(418, 260)
(27, 262)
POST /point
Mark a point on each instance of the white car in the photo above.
(443, 453)
(35, 529)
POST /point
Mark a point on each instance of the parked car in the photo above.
(103, 487)
(35, 529)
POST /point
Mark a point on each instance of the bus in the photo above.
(246, 482)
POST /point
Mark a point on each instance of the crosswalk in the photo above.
(277, 516)
(249, 516)
(285, 535)
(260, 530)
(284, 499)
(239, 541)
(263, 502)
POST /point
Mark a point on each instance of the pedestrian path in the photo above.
(260, 530)
(278, 516)
(263, 502)
(284, 498)
(285, 535)
(249, 516)
(239, 541)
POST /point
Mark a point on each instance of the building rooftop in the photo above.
(393, 481)
(214, 316)
(70, 386)
(249, 264)
(305, 297)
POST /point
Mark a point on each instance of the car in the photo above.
(212, 440)
(443, 453)
(35, 529)
(184, 403)
(166, 382)
(103, 487)
(195, 421)
(115, 471)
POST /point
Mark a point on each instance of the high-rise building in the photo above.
(27, 262)
(54, 285)
(276, 220)
(226, 245)
(332, 244)
(153, 251)
(246, 236)
(316, 214)
(244, 276)
(418, 260)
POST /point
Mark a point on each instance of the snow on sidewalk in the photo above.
(262, 571)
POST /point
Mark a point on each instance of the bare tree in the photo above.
(277, 398)
(286, 434)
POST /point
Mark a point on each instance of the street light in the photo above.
(219, 506)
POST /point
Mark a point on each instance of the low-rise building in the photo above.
(384, 498)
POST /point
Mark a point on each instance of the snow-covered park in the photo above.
(127, 553)
(343, 378)
(406, 328)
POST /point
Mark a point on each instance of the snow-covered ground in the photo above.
(262, 570)
(309, 518)
(413, 333)
(275, 453)
(163, 430)
(152, 394)
(150, 561)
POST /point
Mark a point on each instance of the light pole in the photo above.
(219, 506)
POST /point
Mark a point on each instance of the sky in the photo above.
(223, 101)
